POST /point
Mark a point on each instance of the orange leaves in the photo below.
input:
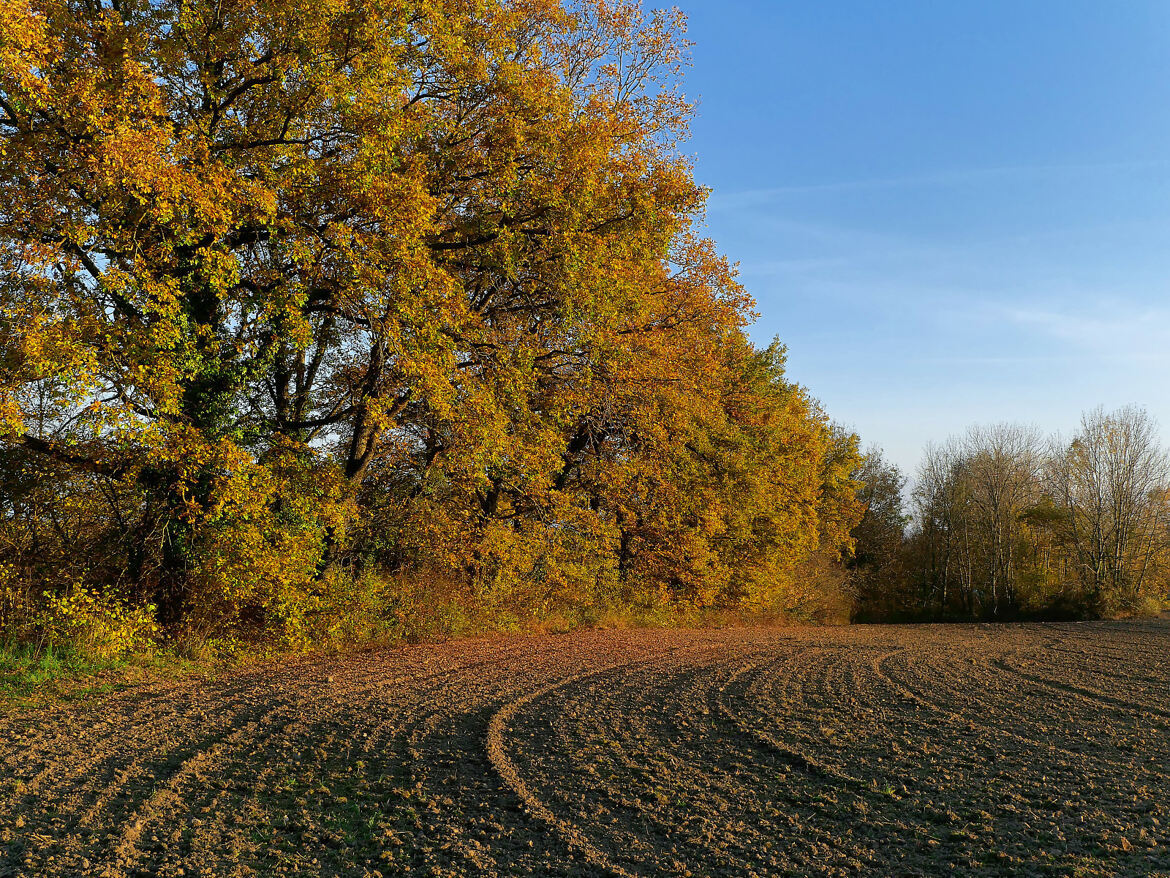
(736, 484)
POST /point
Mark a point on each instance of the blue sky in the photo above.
(951, 212)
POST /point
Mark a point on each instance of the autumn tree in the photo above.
(736, 483)
(292, 289)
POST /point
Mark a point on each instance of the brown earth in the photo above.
(974, 750)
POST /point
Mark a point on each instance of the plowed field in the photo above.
(972, 750)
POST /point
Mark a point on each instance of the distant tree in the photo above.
(941, 533)
(1006, 525)
(972, 541)
(1112, 484)
(1002, 464)
(877, 560)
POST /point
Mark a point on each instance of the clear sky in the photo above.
(951, 211)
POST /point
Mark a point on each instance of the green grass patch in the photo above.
(34, 674)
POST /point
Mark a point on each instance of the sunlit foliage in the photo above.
(296, 293)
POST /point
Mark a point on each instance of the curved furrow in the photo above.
(166, 794)
(963, 786)
(579, 834)
(860, 723)
(1047, 763)
(454, 805)
(159, 785)
(848, 730)
(605, 821)
(449, 808)
(113, 775)
(801, 756)
(661, 778)
(150, 762)
(1121, 668)
(497, 753)
(975, 688)
(34, 765)
(336, 759)
(670, 777)
(1142, 686)
(932, 700)
(1084, 693)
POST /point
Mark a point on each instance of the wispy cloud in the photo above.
(1115, 330)
(748, 198)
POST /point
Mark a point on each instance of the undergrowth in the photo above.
(72, 662)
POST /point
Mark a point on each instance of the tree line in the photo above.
(1005, 523)
(309, 310)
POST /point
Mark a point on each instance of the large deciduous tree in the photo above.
(268, 263)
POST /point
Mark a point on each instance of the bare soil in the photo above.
(972, 750)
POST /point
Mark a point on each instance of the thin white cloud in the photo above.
(748, 198)
(1117, 330)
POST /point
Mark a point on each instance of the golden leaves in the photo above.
(413, 278)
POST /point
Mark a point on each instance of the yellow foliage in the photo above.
(295, 293)
(97, 624)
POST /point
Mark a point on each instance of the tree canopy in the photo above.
(291, 288)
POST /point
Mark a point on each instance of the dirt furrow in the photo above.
(967, 749)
